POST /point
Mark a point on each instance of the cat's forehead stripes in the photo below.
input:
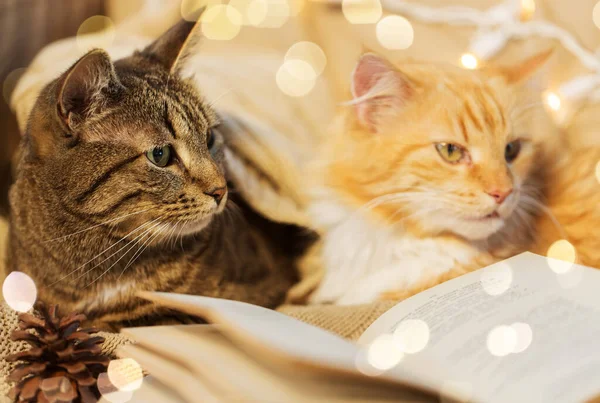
(479, 112)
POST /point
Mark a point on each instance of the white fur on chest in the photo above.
(364, 259)
(107, 295)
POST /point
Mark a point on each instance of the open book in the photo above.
(523, 330)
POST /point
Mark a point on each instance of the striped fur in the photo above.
(396, 218)
(93, 221)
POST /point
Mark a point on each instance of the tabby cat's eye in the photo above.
(210, 139)
(450, 152)
(512, 150)
(160, 156)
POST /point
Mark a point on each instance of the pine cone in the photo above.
(63, 363)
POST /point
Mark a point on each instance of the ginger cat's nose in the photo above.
(500, 194)
(217, 194)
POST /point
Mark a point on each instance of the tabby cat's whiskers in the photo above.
(146, 231)
(141, 250)
(125, 254)
(99, 225)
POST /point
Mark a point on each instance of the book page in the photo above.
(174, 354)
(523, 330)
(278, 336)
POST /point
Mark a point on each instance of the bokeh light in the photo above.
(502, 340)
(242, 7)
(598, 171)
(221, 22)
(527, 9)
(496, 279)
(553, 101)
(362, 11)
(565, 253)
(109, 392)
(469, 61)
(268, 13)
(395, 32)
(296, 78)
(189, 8)
(19, 291)
(384, 352)
(596, 15)
(309, 52)
(97, 31)
(10, 83)
(125, 374)
(412, 335)
(48, 387)
(524, 336)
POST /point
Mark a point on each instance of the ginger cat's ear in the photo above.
(379, 90)
(525, 70)
(172, 47)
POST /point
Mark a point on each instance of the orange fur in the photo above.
(381, 163)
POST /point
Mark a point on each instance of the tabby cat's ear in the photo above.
(379, 91)
(171, 48)
(525, 70)
(84, 88)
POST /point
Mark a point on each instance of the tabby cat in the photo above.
(121, 186)
(433, 171)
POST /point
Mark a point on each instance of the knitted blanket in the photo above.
(346, 321)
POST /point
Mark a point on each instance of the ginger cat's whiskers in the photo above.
(455, 154)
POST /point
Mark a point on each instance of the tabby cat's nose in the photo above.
(217, 194)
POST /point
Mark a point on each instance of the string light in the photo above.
(362, 11)
(496, 279)
(563, 255)
(469, 61)
(221, 22)
(510, 19)
(412, 335)
(97, 31)
(596, 15)
(269, 13)
(189, 8)
(10, 83)
(296, 78)
(553, 101)
(527, 9)
(125, 374)
(309, 52)
(384, 353)
(395, 32)
(110, 393)
(19, 291)
(524, 336)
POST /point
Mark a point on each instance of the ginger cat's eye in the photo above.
(450, 152)
(512, 150)
(160, 156)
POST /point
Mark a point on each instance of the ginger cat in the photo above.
(432, 171)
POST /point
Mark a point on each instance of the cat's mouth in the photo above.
(192, 227)
(492, 216)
